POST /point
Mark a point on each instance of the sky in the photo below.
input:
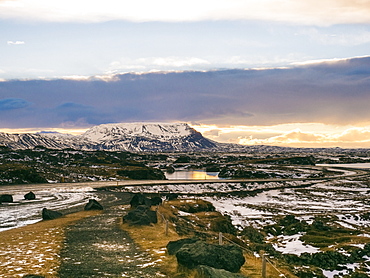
(274, 72)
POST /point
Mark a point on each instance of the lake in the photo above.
(192, 175)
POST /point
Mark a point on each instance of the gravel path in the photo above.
(97, 247)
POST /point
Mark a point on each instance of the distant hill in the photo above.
(117, 137)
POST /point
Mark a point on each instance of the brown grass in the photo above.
(154, 240)
(34, 249)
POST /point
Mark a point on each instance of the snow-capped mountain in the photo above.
(163, 132)
(146, 137)
(117, 137)
(31, 140)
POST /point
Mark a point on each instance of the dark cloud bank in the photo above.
(333, 92)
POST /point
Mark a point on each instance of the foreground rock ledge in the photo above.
(204, 271)
(228, 257)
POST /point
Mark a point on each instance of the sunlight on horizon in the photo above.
(293, 135)
(288, 135)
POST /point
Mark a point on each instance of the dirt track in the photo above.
(87, 244)
(97, 247)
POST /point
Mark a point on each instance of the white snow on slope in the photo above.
(163, 131)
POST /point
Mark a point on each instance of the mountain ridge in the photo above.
(142, 137)
(117, 137)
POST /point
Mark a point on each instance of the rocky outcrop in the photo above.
(48, 214)
(171, 196)
(142, 215)
(194, 206)
(204, 271)
(30, 196)
(6, 198)
(241, 172)
(139, 200)
(156, 201)
(174, 246)
(228, 257)
(219, 222)
(93, 205)
(141, 173)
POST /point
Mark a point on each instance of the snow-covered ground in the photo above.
(22, 212)
(221, 187)
(293, 245)
(345, 198)
(340, 197)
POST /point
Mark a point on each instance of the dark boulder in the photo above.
(183, 159)
(156, 201)
(204, 271)
(137, 172)
(93, 205)
(172, 196)
(6, 198)
(170, 170)
(243, 173)
(222, 224)
(228, 257)
(139, 200)
(48, 214)
(30, 196)
(253, 235)
(142, 215)
(212, 168)
(174, 246)
(194, 206)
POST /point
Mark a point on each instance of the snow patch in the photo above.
(293, 245)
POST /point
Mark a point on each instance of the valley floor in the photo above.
(339, 202)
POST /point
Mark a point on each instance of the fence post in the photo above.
(263, 266)
(220, 238)
(166, 231)
(163, 218)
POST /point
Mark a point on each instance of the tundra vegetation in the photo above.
(43, 165)
(317, 225)
(300, 244)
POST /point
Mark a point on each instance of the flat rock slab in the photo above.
(97, 247)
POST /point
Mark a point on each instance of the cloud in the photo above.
(330, 92)
(306, 135)
(357, 37)
(354, 134)
(355, 137)
(297, 11)
(296, 136)
(15, 42)
(159, 63)
(13, 103)
(75, 114)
